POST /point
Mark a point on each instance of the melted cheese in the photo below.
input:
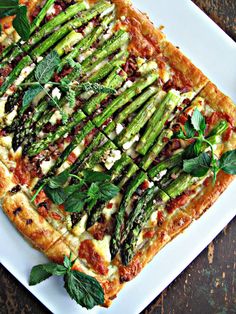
(102, 247)
(80, 227)
(46, 165)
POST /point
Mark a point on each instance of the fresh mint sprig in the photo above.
(196, 162)
(84, 289)
(92, 187)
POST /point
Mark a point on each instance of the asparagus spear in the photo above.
(139, 121)
(26, 61)
(50, 138)
(116, 237)
(39, 18)
(24, 129)
(124, 98)
(157, 121)
(168, 178)
(114, 80)
(157, 148)
(65, 29)
(130, 244)
(145, 199)
(49, 27)
(178, 186)
(136, 104)
(88, 40)
(131, 171)
(118, 40)
(68, 42)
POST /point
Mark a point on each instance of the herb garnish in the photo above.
(44, 72)
(92, 187)
(21, 21)
(195, 128)
(84, 289)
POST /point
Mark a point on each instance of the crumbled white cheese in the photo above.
(160, 175)
(129, 144)
(115, 201)
(10, 117)
(6, 141)
(107, 11)
(51, 10)
(111, 158)
(127, 85)
(119, 128)
(40, 58)
(46, 165)
(148, 67)
(56, 93)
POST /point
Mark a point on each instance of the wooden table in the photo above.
(208, 285)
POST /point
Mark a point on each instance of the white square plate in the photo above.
(215, 54)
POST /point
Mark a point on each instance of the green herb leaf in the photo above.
(55, 269)
(75, 202)
(9, 4)
(45, 69)
(21, 23)
(57, 196)
(8, 12)
(189, 129)
(29, 95)
(198, 166)
(108, 191)
(93, 191)
(95, 176)
(58, 181)
(38, 274)
(84, 289)
(67, 262)
(198, 121)
(228, 162)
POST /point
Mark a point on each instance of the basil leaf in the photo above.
(30, 95)
(84, 289)
(38, 274)
(228, 162)
(5, 4)
(198, 166)
(197, 147)
(70, 189)
(189, 129)
(198, 121)
(21, 23)
(95, 176)
(108, 191)
(45, 69)
(57, 196)
(58, 181)
(75, 202)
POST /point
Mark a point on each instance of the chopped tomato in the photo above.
(21, 173)
(176, 203)
(149, 234)
(55, 216)
(144, 185)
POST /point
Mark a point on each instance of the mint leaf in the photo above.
(55, 269)
(21, 22)
(7, 12)
(95, 176)
(45, 69)
(198, 166)
(57, 196)
(5, 4)
(29, 95)
(108, 191)
(189, 129)
(198, 121)
(58, 181)
(84, 289)
(228, 162)
(93, 191)
(75, 202)
(38, 274)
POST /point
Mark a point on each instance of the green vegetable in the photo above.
(84, 289)
(21, 21)
(30, 95)
(227, 162)
(199, 166)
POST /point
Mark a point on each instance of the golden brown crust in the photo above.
(33, 226)
(219, 101)
(176, 223)
(209, 194)
(6, 180)
(181, 64)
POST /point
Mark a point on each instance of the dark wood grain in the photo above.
(207, 286)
